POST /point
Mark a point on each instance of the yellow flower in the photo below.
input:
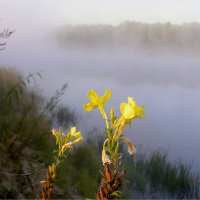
(131, 110)
(73, 134)
(96, 100)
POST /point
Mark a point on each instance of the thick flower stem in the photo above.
(111, 183)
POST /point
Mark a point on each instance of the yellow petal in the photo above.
(127, 111)
(93, 96)
(131, 102)
(55, 133)
(140, 112)
(106, 96)
(72, 130)
(89, 106)
(77, 135)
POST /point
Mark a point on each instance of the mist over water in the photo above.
(166, 82)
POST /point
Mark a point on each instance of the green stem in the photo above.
(102, 110)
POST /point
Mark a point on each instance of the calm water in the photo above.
(166, 83)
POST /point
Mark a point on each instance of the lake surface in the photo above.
(166, 83)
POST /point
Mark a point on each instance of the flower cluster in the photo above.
(66, 141)
(115, 125)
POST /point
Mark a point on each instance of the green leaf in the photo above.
(117, 193)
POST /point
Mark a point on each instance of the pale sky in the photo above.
(59, 12)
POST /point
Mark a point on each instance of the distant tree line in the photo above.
(132, 34)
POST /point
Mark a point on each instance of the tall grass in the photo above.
(154, 176)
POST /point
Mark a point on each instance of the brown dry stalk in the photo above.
(46, 191)
(111, 183)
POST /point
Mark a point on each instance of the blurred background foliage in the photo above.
(26, 146)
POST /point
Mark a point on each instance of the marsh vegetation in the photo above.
(27, 145)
